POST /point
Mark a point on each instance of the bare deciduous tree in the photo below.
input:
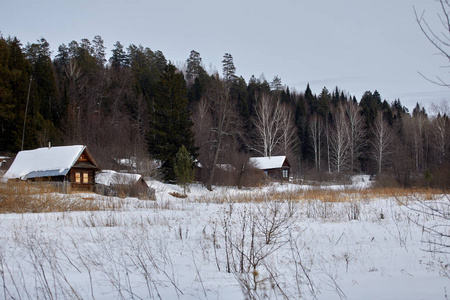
(356, 131)
(289, 131)
(315, 132)
(340, 138)
(440, 130)
(274, 127)
(268, 124)
(202, 128)
(216, 126)
(381, 142)
(439, 38)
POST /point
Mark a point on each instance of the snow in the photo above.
(176, 249)
(56, 160)
(3, 159)
(266, 163)
(127, 162)
(110, 177)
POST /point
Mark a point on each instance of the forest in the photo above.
(137, 105)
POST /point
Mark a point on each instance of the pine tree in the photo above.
(119, 58)
(193, 66)
(229, 70)
(183, 169)
(170, 125)
(99, 51)
(276, 84)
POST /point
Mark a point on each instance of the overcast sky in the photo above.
(357, 45)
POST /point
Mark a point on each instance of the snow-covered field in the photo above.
(211, 246)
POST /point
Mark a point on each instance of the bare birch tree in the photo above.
(381, 142)
(440, 130)
(315, 132)
(415, 126)
(356, 131)
(289, 130)
(327, 133)
(269, 124)
(339, 140)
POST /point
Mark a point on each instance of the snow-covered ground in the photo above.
(209, 246)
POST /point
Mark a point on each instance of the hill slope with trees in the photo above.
(136, 104)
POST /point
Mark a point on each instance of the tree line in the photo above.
(138, 105)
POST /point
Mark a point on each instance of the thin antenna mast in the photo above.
(26, 112)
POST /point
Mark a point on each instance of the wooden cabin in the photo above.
(73, 165)
(275, 167)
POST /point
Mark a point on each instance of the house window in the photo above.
(85, 177)
(285, 173)
(77, 177)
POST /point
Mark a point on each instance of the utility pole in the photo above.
(26, 111)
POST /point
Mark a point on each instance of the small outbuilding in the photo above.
(113, 183)
(71, 165)
(276, 167)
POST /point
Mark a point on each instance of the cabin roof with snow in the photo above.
(270, 162)
(50, 162)
(109, 177)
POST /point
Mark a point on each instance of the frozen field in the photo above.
(213, 246)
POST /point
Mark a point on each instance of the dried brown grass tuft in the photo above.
(24, 197)
(328, 195)
(177, 195)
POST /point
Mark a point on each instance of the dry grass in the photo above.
(327, 195)
(23, 197)
(177, 195)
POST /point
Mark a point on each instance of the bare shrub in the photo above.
(385, 181)
(252, 177)
(249, 238)
(434, 219)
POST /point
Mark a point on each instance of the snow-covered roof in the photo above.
(268, 162)
(109, 177)
(53, 161)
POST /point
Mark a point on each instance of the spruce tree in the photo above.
(183, 169)
(170, 125)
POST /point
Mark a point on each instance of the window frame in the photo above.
(77, 177)
(85, 177)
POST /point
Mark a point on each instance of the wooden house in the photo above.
(275, 167)
(73, 165)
